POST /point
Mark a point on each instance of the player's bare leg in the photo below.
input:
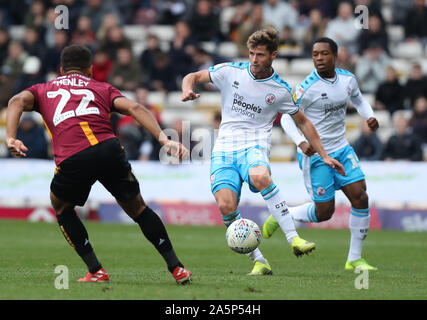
(154, 230)
(261, 179)
(75, 233)
(227, 202)
(358, 224)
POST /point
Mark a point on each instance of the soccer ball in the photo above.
(243, 236)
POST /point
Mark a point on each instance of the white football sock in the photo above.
(279, 210)
(256, 255)
(304, 212)
(359, 226)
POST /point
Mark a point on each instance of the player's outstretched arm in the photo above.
(313, 138)
(291, 129)
(190, 80)
(146, 119)
(23, 101)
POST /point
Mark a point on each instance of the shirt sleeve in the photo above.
(35, 89)
(291, 129)
(218, 73)
(360, 103)
(114, 93)
(287, 104)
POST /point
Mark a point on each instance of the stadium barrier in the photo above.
(181, 194)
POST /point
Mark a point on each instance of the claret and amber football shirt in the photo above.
(76, 111)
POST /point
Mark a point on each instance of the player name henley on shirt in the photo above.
(249, 106)
(76, 112)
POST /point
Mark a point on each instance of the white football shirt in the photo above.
(249, 106)
(325, 101)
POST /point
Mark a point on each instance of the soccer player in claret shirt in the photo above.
(324, 96)
(75, 109)
(252, 96)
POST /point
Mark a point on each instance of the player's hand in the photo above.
(306, 148)
(177, 150)
(16, 148)
(334, 164)
(372, 123)
(189, 95)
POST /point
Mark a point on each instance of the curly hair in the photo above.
(268, 37)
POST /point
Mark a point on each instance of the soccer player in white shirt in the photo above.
(252, 95)
(323, 97)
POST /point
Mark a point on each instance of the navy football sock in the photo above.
(154, 230)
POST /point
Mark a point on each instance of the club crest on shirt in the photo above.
(320, 191)
(270, 98)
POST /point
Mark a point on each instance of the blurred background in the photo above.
(145, 48)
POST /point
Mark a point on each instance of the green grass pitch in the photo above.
(31, 251)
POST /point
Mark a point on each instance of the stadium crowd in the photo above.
(199, 28)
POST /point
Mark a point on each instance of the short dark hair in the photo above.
(76, 57)
(332, 44)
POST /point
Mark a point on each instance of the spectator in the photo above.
(110, 21)
(390, 94)
(416, 21)
(150, 147)
(400, 10)
(345, 60)
(125, 74)
(115, 39)
(368, 146)
(315, 30)
(50, 29)
(84, 35)
(162, 76)
(96, 10)
(31, 74)
(171, 11)
(288, 48)
(34, 46)
(419, 119)
(138, 142)
(342, 28)
(203, 60)
(252, 24)
(181, 49)
(15, 59)
(404, 144)
(375, 33)
(416, 85)
(241, 12)
(35, 18)
(7, 83)
(53, 56)
(130, 136)
(204, 22)
(279, 14)
(148, 56)
(102, 65)
(4, 44)
(33, 136)
(371, 68)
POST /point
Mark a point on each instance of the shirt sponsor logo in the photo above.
(270, 98)
(244, 108)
